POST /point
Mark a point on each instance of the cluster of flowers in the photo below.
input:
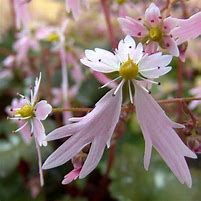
(138, 65)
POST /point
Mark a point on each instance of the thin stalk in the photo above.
(106, 11)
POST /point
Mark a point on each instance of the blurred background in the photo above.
(120, 175)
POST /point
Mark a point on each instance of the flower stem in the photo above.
(162, 102)
(39, 163)
(106, 10)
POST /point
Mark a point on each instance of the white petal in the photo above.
(42, 110)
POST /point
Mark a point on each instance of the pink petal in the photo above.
(73, 175)
(39, 132)
(169, 24)
(151, 47)
(103, 79)
(132, 27)
(25, 132)
(153, 15)
(88, 130)
(171, 45)
(74, 6)
(187, 29)
(158, 130)
(42, 110)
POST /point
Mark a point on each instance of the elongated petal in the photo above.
(94, 156)
(39, 132)
(64, 131)
(132, 27)
(34, 93)
(158, 129)
(153, 15)
(106, 112)
(42, 110)
(187, 29)
(67, 150)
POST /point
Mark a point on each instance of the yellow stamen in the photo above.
(121, 1)
(155, 34)
(53, 37)
(129, 69)
(25, 111)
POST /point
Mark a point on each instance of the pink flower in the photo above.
(74, 6)
(95, 129)
(25, 131)
(30, 113)
(21, 13)
(168, 33)
(158, 130)
(25, 42)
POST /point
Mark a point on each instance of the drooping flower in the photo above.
(168, 33)
(31, 113)
(135, 67)
(94, 129)
(74, 6)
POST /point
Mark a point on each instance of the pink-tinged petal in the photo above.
(87, 130)
(169, 24)
(25, 132)
(71, 176)
(94, 156)
(187, 29)
(103, 79)
(74, 6)
(132, 27)
(39, 132)
(151, 47)
(42, 110)
(157, 129)
(153, 15)
(171, 45)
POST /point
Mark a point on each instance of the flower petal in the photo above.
(158, 130)
(39, 132)
(42, 110)
(127, 48)
(132, 27)
(153, 15)
(187, 29)
(101, 60)
(73, 175)
(171, 45)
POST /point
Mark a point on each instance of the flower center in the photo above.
(53, 37)
(129, 69)
(25, 111)
(121, 1)
(155, 34)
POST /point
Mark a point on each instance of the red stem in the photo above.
(106, 10)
